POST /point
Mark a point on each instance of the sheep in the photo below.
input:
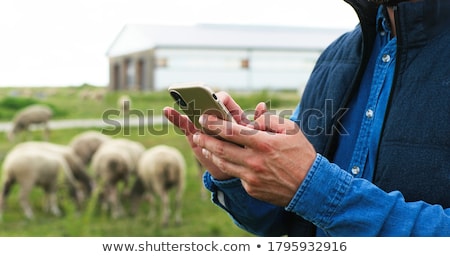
(124, 104)
(33, 114)
(33, 167)
(86, 144)
(115, 161)
(96, 95)
(84, 184)
(160, 169)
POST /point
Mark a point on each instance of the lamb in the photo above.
(124, 104)
(32, 167)
(115, 161)
(86, 144)
(161, 169)
(31, 115)
(84, 183)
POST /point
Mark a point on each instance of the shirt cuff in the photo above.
(213, 184)
(321, 192)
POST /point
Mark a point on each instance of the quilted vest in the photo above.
(414, 150)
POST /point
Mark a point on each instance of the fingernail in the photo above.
(202, 120)
(195, 138)
(205, 153)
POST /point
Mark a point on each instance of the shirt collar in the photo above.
(383, 23)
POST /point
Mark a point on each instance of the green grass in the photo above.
(81, 102)
(200, 216)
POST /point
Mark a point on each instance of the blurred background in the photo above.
(59, 43)
(86, 60)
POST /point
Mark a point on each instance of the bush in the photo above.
(10, 105)
(16, 103)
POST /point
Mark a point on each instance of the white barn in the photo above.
(151, 57)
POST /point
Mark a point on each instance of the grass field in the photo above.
(200, 216)
(86, 101)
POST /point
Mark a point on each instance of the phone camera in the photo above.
(178, 99)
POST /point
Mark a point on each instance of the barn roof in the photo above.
(140, 37)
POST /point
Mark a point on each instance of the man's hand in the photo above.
(189, 129)
(273, 161)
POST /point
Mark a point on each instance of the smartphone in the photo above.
(195, 99)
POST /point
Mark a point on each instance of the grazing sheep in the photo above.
(88, 94)
(76, 165)
(33, 114)
(124, 104)
(86, 144)
(161, 169)
(33, 167)
(115, 161)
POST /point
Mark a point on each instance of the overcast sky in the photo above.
(63, 42)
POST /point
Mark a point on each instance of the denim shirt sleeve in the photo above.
(333, 200)
(257, 217)
(342, 205)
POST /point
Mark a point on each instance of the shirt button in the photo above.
(355, 170)
(369, 114)
(386, 58)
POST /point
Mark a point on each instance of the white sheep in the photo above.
(32, 167)
(31, 115)
(84, 183)
(161, 169)
(124, 104)
(86, 144)
(115, 162)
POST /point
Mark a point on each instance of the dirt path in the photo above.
(91, 123)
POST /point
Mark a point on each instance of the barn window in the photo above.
(161, 62)
(245, 63)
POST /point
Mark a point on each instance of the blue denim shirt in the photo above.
(356, 151)
(343, 201)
